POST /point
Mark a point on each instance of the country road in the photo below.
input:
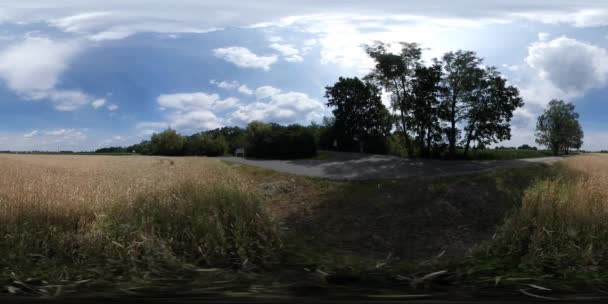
(355, 166)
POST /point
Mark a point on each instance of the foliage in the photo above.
(280, 142)
(394, 73)
(526, 147)
(432, 101)
(112, 150)
(490, 108)
(168, 142)
(558, 127)
(361, 120)
(205, 144)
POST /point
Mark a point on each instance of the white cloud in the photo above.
(571, 66)
(199, 110)
(31, 134)
(98, 103)
(243, 89)
(24, 67)
(288, 51)
(196, 101)
(543, 36)
(273, 105)
(113, 25)
(266, 91)
(112, 107)
(48, 140)
(243, 57)
(32, 68)
(586, 17)
(196, 120)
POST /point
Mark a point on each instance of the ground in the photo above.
(357, 166)
(334, 231)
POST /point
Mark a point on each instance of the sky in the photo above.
(79, 75)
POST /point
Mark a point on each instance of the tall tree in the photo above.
(425, 109)
(558, 127)
(360, 116)
(394, 73)
(461, 73)
(489, 108)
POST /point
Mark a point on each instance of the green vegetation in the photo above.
(504, 154)
(279, 142)
(361, 122)
(558, 128)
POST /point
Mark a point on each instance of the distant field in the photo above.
(506, 154)
(149, 223)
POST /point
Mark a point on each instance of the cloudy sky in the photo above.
(84, 74)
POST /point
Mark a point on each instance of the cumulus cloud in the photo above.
(571, 66)
(112, 107)
(196, 101)
(200, 110)
(274, 105)
(244, 58)
(34, 74)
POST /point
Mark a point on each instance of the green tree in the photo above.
(558, 127)
(394, 73)
(205, 144)
(461, 73)
(489, 108)
(168, 143)
(360, 116)
(425, 110)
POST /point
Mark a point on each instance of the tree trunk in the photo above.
(408, 144)
(452, 135)
(466, 147)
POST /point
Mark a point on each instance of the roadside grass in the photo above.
(504, 154)
(561, 229)
(322, 155)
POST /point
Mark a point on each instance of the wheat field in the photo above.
(126, 216)
(562, 225)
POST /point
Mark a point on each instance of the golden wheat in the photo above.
(139, 214)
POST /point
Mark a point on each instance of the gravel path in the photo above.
(365, 166)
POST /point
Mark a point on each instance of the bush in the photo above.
(279, 142)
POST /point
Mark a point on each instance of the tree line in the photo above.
(443, 108)
(261, 140)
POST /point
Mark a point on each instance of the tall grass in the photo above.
(65, 218)
(562, 225)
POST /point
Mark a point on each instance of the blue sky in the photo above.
(81, 75)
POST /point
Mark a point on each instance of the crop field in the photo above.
(135, 223)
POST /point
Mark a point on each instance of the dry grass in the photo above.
(562, 226)
(75, 217)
